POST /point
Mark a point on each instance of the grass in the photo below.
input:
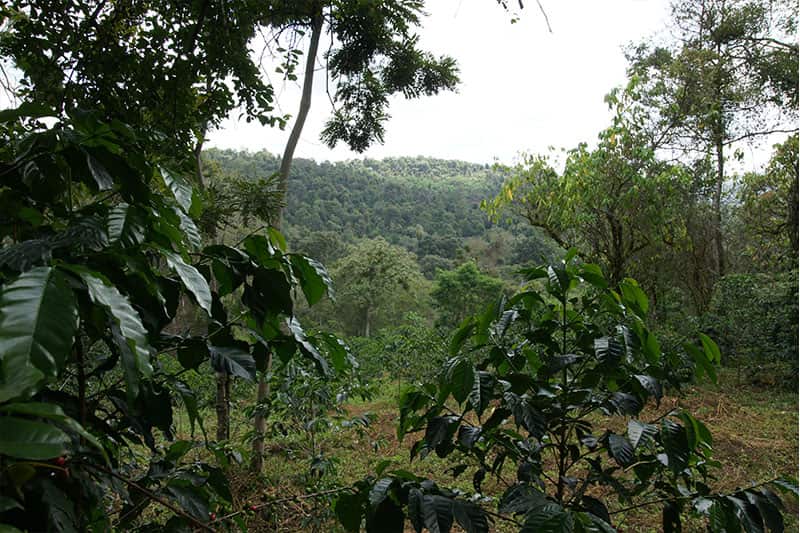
(755, 438)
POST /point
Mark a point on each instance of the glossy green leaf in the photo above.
(28, 439)
(470, 517)
(307, 348)
(339, 352)
(277, 238)
(711, 349)
(696, 431)
(438, 430)
(597, 508)
(136, 349)
(26, 110)
(676, 445)
(770, 513)
(608, 350)
(190, 402)
(747, 513)
(415, 515)
(652, 349)
(521, 498)
(468, 436)
(194, 282)
(593, 275)
(651, 385)
(52, 412)
(190, 230)
(379, 491)
(190, 498)
(99, 172)
(634, 296)
(620, 449)
(702, 362)
(461, 335)
(482, 391)
(722, 517)
(60, 508)
(437, 513)
(549, 518)
(559, 279)
(233, 361)
(460, 378)
(38, 321)
(259, 249)
(269, 294)
(181, 190)
(348, 508)
(625, 404)
(126, 225)
(640, 433)
(314, 279)
(786, 484)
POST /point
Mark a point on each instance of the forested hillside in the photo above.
(206, 340)
(430, 207)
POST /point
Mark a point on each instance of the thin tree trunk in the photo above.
(366, 322)
(222, 403)
(719, 144)
(263, 392)
(720, 247)
(305, 102)
(198, 158)
(222, 407)
(792, 216)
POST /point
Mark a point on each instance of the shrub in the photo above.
(556, 400)
(754, 318)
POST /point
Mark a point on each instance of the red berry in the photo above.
(61, 461)
(212, 516)
(253, 508)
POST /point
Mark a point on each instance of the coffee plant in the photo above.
(99, 246)
(554, 411)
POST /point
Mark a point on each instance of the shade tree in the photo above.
(614, 203)
(722, 79)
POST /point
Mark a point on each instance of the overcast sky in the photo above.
(522, 89)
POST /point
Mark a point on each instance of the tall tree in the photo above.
(613, 203)
(769, 208)
(729, 76)
(377, 55)
(161, 67)
(372, 281)
(463, 292)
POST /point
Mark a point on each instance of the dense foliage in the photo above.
(428, 206)
(553, 409)
(143, 283)
(100, 249)
(754, 318)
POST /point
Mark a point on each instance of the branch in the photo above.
(284, 500)
(652, 502)
(758, 134)
(682, 498)
(544, 14)
(305, 102)
(776, 42)
(502, 517)
(153, 496)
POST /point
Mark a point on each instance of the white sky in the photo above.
(522, 89)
